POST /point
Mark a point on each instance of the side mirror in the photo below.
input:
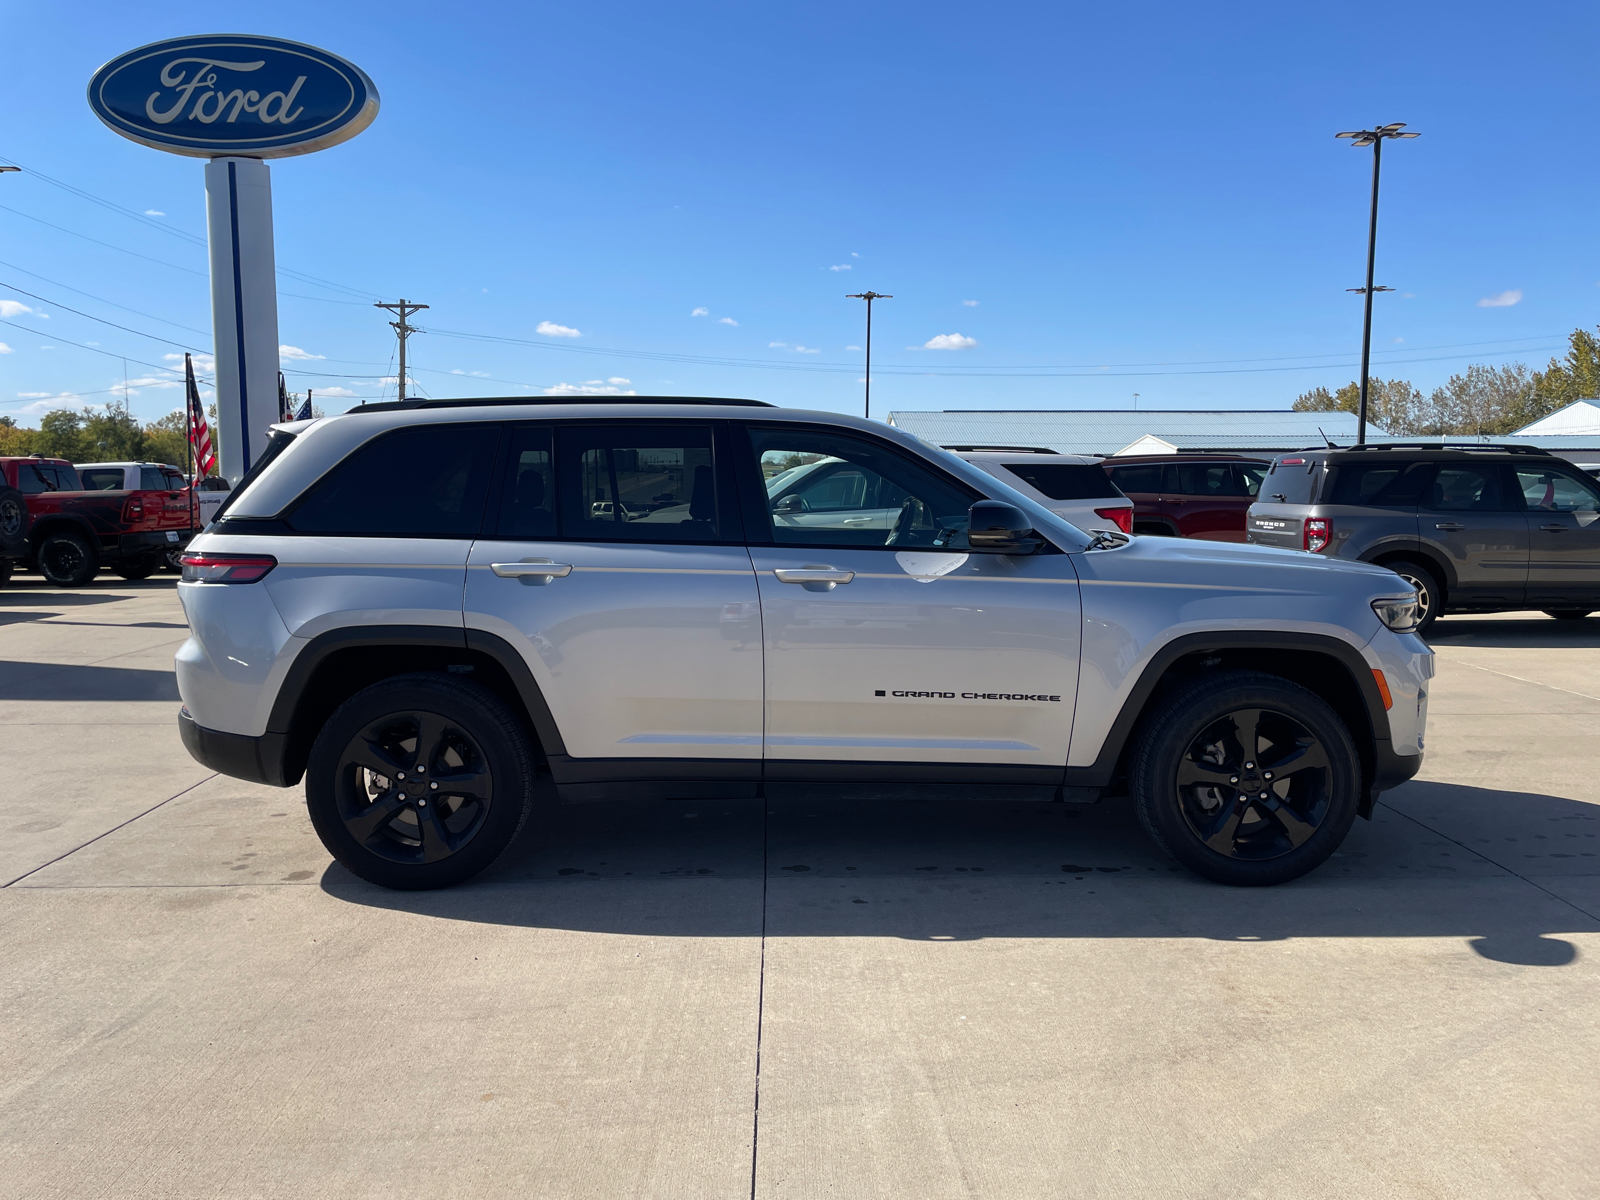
(996, 527)
(790, 504)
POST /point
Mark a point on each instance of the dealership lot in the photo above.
(1000, 1000)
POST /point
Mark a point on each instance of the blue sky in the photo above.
(1103, 200)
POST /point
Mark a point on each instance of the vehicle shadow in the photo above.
(66, 681)
(1532, 633)
(13, 596)
(949, 871)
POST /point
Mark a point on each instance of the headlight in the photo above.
(1399, 614)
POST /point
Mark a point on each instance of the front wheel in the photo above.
(1430, 597)
(420, 781)
(1246, 778)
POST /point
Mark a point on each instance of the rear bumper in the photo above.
(257, 759)
(132, 545)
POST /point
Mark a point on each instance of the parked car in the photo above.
(14, 521)
(133, 476)
(1472, 528)
(73, 532)
(420, 653)
(1189, 495)
(1070, 485)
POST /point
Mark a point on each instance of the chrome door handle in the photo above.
(1553, 528)
(814, 578)
(1450, 526)
(532, 568)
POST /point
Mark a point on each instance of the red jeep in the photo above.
(1189, 495)
(72, 533)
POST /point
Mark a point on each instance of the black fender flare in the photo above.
(1420, 552)
(42, 527)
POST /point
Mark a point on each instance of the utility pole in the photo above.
(1371, 137)
(403, 331)
(869, 297)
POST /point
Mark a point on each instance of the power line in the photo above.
(102, 320)
(136, 312)
(402, 331)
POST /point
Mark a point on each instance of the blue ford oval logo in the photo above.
(257, 97)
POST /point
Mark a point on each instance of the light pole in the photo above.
(869, 297)
(1371, 137)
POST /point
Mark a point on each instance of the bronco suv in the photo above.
(1472, 528)
(425, 607)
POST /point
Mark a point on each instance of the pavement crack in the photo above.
(1520, 679)
(124, 825)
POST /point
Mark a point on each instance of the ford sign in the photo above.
(233, 94)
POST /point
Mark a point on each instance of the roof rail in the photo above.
(1001, 449)
(1481, 447)
(486, 401)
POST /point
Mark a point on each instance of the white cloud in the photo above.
(807, 350)
(853, 254)
(551, 329)
(726, 321)
(338, 393)
(203, 363)
(1397, 341)
(33, 395)
(595, 387)
(13, 308)
(776, 345)
(619, 381)
(701, 312)
(840, 267)
(154, 212)
(949, 341)
(295, 354)
(852, 347)
(47, 347)
(132, 387)
(4, 349)
(970, 303)
(474, 374)
(1503, 300)
(39, 407)
(388, 379)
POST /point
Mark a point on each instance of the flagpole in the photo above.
(188, 428)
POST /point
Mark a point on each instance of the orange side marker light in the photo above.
(1383, 689)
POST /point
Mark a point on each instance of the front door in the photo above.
(1469, 517)
(1563, 536)
(896, 646)
(617, 569)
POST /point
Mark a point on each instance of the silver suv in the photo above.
(428, 608)
(1472, 528)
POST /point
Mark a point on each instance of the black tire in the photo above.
(1199, 793)
(1430, 596)
(1568, 614)
(13, 516)
(6, 567)
(138, 568)
(369, 747)
(68, 559)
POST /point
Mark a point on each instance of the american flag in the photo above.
(199, 430)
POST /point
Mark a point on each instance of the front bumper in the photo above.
(257, 759)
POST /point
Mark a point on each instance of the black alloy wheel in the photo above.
(1246, 778)
(67, 559)
(1430, 598)
(420, 781)
(1568, 614)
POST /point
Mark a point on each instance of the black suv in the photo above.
(1473, 528)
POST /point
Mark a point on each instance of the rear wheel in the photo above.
(67, 559)
(1568, 614)
(139, 568)
(1246, 778)
(420, 781)
(1430, 598)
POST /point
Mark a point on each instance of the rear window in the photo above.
(1144, 477)
(1383, 484)
(1066, 481)
(34, 479)
(426, 481)
(1290, 481)
(102, 479)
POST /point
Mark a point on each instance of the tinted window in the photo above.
(1146, 477)
(1250, 476)
(1382, 484)
(175, 481)
(1208, 479)
(638, 483)
(1556, 491)
(827, 489)
(426, 481)
(1467, 489)
(35, 478)
(152, 479)
(101, 479)
(528, 499)
(67, 479)
(1065, 481)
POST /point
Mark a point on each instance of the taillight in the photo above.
(1316, 534)
(226, 568)
(1122, 518)
(133, 510)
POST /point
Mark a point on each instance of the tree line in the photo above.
(1480, 400)
(110, 434)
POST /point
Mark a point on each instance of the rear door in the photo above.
(1149, 485)
(1214, 501)
(1563, 515)
(644, 633)
(891, 648)
(1470, 517)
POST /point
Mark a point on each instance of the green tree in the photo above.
(1482, 400)
(1575, 377)
(1394, 405)
(60, 435)
(167, 441)
(111, 434)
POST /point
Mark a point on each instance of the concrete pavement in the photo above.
(712, 998)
